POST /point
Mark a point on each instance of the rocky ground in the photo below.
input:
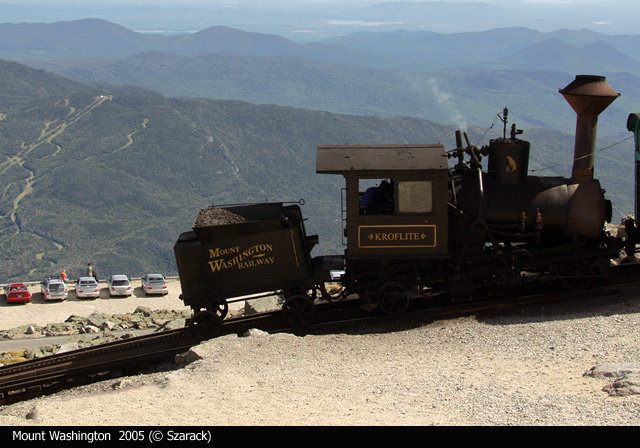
(574, 363)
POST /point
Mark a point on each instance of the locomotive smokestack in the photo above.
(588, 96)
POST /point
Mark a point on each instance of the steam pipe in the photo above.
(584, 153)
(588, 95)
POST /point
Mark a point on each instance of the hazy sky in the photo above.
(265, 2)
(306, 19)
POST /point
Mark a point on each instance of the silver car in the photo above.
(87, 287)
(154, 284)
(53, 288)
(119, 285)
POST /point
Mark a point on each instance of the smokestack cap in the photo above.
(589, 94)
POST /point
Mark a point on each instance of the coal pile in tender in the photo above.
(217, 217)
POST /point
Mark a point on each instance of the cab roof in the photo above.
(341, 159)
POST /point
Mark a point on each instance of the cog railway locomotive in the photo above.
(416, 229)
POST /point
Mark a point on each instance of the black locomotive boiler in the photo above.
(415, 228)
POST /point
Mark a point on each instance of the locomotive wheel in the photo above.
(206, 321)
(298, 311)
(221, 308)
(393, 298)
(575, 274)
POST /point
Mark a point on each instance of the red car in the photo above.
(17, 293)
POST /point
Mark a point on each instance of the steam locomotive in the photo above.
(416, 228)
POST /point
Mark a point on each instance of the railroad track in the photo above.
(53, 373)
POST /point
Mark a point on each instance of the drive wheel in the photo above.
(221, 308)
(393, 298)
(206, 321)
(575, 274)
(298, 311)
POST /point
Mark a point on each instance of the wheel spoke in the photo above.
(575, 274)
(298, 311)
(393, 298)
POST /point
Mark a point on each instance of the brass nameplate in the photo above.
(381, 236)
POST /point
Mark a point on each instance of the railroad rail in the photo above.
(46, 375)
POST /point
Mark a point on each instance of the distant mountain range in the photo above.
(399, 50)
(315, 20)
(100, 38)
(449, 78)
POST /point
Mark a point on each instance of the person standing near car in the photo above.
(89, 270)
(63, 276)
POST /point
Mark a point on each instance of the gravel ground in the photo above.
(523, 366)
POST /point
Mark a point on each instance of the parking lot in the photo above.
(41, 312)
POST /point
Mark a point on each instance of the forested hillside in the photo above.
(113, 174)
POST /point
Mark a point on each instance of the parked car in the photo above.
(53, 288)
(87, 287)
(154, 284)
(17, 293)
(119, 285)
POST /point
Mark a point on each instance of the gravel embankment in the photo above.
(521, 367)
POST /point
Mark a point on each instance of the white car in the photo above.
(53, 288)
(87, 287)
(119, 285)
(154, 284)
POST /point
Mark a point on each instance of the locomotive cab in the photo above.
(394, 216)
(396, 198)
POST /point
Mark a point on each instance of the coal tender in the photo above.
(244, 250)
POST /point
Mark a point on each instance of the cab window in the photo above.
(415, 196)
(376, 196)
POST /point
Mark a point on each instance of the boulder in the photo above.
(173, 324)
(33, 414)
(254, 332)
(144, 310)
(73, 318)
(32, 353)
(187, 357)
(627, 378)
(619, 370)
(68, 347)
(22, 331)
(62, 329)
(96, 320)
(205, 349)
(621, 387)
